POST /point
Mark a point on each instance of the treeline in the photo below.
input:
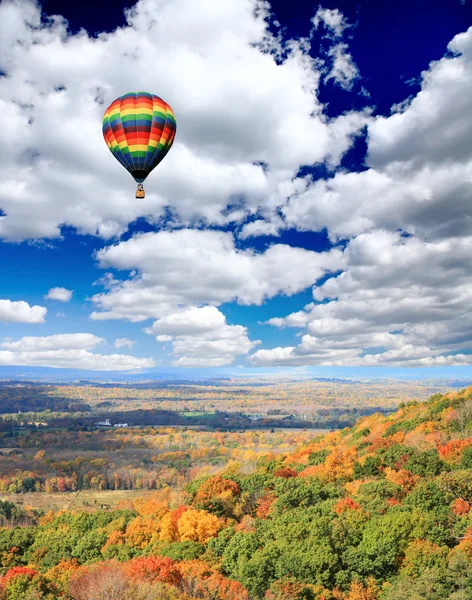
(14, 399)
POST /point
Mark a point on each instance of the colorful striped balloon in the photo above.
(139, 129)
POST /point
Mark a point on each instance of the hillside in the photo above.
(379, 511)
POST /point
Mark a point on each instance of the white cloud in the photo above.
(21, 312)
(192, 321)
(163, 338)
(399, 301)
(344, 70)
(201, 337)
(59, 293)
(66, 351)
(420, 165)
(58, 171)
(192, 267)
(124, 343)
(332, 19)
(65, 341)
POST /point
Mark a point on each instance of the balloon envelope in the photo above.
(139, 129)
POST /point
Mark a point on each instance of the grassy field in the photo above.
(196, 413)
(83, 500)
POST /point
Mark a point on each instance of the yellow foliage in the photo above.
(198, 526)
(142, 531)
(338, 465)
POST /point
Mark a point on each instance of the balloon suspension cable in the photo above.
(140, 187)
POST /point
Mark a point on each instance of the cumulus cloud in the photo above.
(124, 343)
(59, 293)
(403, 297)
(21, 312)
(66, 350)
(201, 337)
(192, 267)
(420, 164)
(58, 171)
(400, 301)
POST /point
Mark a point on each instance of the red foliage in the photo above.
(286, 473)
(17, 572)
(460, 507)
(345, 504)
(393, 501)
(153, 568)
(264, 505)
(178, 512)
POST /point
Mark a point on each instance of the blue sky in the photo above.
(349, 248)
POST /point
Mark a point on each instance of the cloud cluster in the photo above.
(420, 165)
(387, 307)
(54, 165)
(201, 337)
(73, 351)
(194, 267)
(21, 312)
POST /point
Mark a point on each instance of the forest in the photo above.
(377, 511)
(226, 404)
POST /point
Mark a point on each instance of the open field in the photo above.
(82, 500)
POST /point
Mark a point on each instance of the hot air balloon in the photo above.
(139, 129)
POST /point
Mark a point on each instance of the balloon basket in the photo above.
(140, 191)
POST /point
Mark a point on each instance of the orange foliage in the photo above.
(338, 465)
(465, 544)
(200, 580)
(169, 524)
(460, 507)
(328, 441)
(451, 451)
(216, 488)
(402, 477)
(286, 473)
(60, 574)
(359, 591)
(352, 487)
(345, 504)
(198, 526)
(114, 539)
(292, 590)
(153, 568)
(427, 427)
(264, 504)
(247, 524)
(151, 507)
